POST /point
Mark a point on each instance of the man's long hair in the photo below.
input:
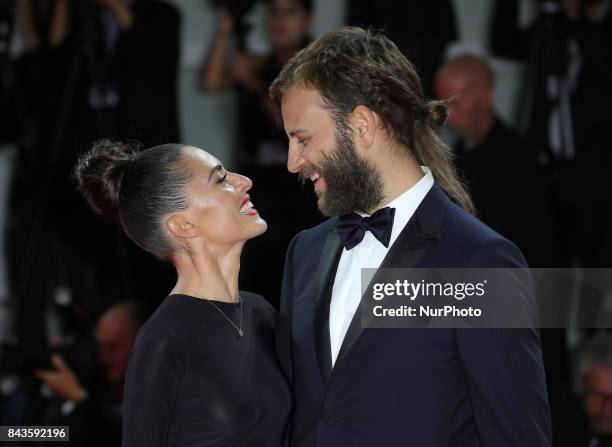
(352, 66)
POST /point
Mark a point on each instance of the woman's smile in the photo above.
(247, 207)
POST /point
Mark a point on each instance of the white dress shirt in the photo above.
(346, 293)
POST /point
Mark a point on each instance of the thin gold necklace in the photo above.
(238, 328)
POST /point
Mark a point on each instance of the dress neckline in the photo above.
(204, 300)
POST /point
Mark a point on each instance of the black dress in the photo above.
(192, 381)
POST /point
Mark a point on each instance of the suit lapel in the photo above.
(418, 237)
(323, 284)
(410, 246)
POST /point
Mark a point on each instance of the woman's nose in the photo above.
(243, 183)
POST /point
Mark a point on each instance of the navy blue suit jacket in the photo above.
(411, 387)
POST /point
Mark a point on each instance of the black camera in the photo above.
(239, 9)
(17, 359)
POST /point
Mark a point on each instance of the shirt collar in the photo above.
(406, 203)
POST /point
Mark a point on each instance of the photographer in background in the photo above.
(261, 152)
(263, 140)
(94, 413)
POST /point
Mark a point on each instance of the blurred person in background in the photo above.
(567, 49)
(586, 418)
(288, 24)
(92, 406)
(261, 152)
(500, 168)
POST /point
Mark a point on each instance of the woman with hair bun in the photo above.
(209, 368)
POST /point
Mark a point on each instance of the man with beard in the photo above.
(361, 130)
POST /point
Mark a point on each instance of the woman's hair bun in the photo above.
(435, 113)
(100, 172)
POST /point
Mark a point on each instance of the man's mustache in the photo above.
(306, 172)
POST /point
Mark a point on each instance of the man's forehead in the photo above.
(300, 108)
(300, 96)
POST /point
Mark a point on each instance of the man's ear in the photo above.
(364, 123)
(181, 226)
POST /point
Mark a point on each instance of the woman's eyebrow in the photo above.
(213, 170)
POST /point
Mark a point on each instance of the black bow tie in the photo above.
(352, 227)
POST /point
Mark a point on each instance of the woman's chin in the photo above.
(259, 227)
(264, 225)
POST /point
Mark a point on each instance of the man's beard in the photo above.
(351, 183)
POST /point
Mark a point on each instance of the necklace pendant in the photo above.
(240, 332)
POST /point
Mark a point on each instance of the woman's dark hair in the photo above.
(352, 66)
(135, 188)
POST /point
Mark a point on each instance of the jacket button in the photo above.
(328, 417)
